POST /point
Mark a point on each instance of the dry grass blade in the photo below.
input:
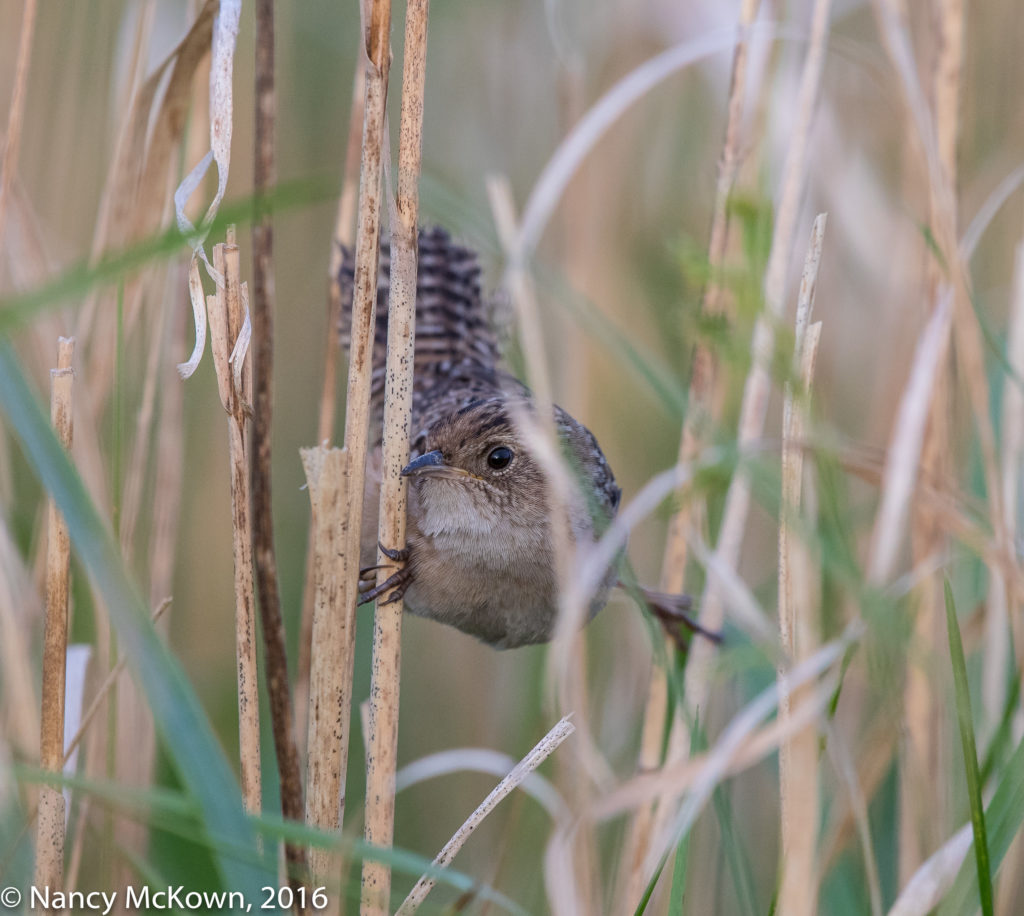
(732, 739)
(19, 715)
(12, 136)
(674, 779)
(567, 658)
(699, 400)
(226, 315)
(544, 749)
(51, 827)
(757, 389)
(922, 813)
(929, 884)
(103, 690)
(387, 620)
(902, 462)
(330, 686)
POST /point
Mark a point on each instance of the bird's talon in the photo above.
(399, 556)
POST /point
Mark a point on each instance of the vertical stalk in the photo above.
(376, 59)
(333, 636)
(263, 357)
(226, 315)
(387, 631)
(798, 755)
(51, 825)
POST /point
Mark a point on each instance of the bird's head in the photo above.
(475, 468)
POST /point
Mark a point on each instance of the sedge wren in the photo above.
(479, 553)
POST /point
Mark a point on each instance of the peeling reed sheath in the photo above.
(49, 870)
(387, 629)
(263, 526)
(226, 314)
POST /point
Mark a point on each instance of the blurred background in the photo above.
(619, 271)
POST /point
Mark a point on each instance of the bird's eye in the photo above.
(499, 457)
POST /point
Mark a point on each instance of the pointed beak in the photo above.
(432, 464)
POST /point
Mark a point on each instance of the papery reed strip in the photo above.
(226, 316)
(544, 749)
(698, 411)
(275, 655)
(344, 237)
(798, 631)
(330, 687)
(387, 620)
(50, 834)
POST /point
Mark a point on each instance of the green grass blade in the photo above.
(963, 714)
(176, 710)
(77, 281)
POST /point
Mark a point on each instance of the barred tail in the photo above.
(453, 322)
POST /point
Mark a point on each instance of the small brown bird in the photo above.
(479, 552)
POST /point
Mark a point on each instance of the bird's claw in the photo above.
(397, 582)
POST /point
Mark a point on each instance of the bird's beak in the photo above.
(432, 464)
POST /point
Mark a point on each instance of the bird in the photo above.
(480, 550)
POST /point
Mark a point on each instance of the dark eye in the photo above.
(499, 457)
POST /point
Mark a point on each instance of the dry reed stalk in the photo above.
(798, 632)
(375, 55)
(543, 749)
(330, 685)
(12, 136)
(922, 803)
(344, 237)
(757, 388)
(51, 827)
(699, 400)
(226, 314)
(387, 620)
(275, 654)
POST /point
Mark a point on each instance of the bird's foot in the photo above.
(396, 583)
